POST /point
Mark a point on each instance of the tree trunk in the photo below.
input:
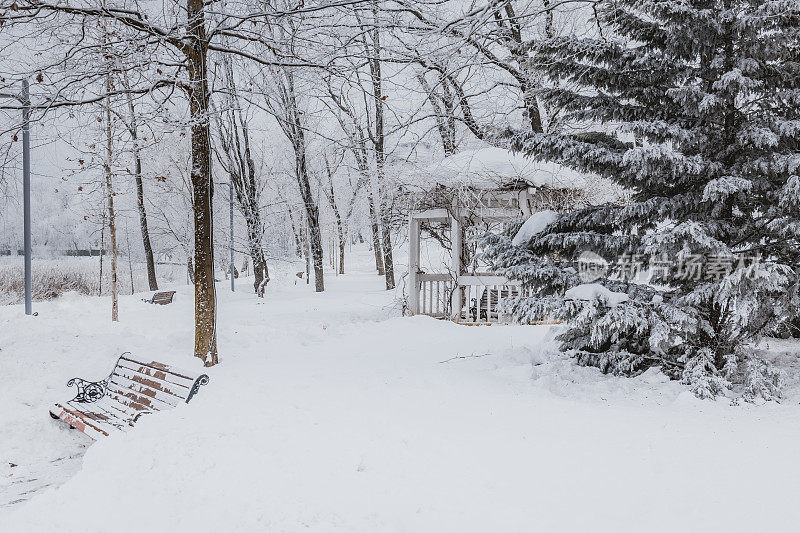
(531, 111)
(112, 223)
(234, 137)
(205, 341)
(298, 245)
(307, 253)
(339, 223)
(259, 261)
(340, 234)
(255, 229)
(443, 111)
(341, 252)
(512, 27)
(293, 127)
(314, 233)
(130, 258)
(112, 237)
(137, 169)
(102, 249)
(380, 141)
(388, 264)
(449, 104)
(148, 248)
(376, 239)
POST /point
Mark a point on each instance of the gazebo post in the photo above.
(413, 265)
(456, 237)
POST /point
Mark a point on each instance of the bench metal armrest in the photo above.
(88, 391)
(201, 380)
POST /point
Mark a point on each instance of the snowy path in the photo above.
(331, 413)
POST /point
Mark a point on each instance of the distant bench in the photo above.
(487, 307)
(133, 388)
(161, 298)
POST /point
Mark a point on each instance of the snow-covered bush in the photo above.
(48, 281)
(698, 118)
(52, 277)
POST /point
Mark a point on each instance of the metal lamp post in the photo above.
(24, 99)
(233, 267)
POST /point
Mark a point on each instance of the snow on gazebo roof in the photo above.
(498, 168)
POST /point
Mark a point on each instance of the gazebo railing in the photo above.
(480, 299)
(434, 294)
(473, 299)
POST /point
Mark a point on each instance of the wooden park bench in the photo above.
(161, 298)
(133, 388)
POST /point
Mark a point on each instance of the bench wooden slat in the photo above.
(127, 385)
(111, 405)
(130, 393)
(145, 370)
(76, 421)
(98, 415)
(79, 421)
(114, 417)
(135, 404)
(133, 388)
(178, 391)
(161, 367)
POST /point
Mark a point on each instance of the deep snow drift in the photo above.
(330, 412)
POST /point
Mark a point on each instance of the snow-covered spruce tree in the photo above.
(696, 106)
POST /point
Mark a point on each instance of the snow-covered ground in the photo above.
(330, 412)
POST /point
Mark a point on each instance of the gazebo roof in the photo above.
(497, 168)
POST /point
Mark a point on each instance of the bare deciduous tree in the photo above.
(236, 158)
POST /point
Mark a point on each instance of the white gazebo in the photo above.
(490, 186)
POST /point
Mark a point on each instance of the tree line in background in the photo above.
(355, 87)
